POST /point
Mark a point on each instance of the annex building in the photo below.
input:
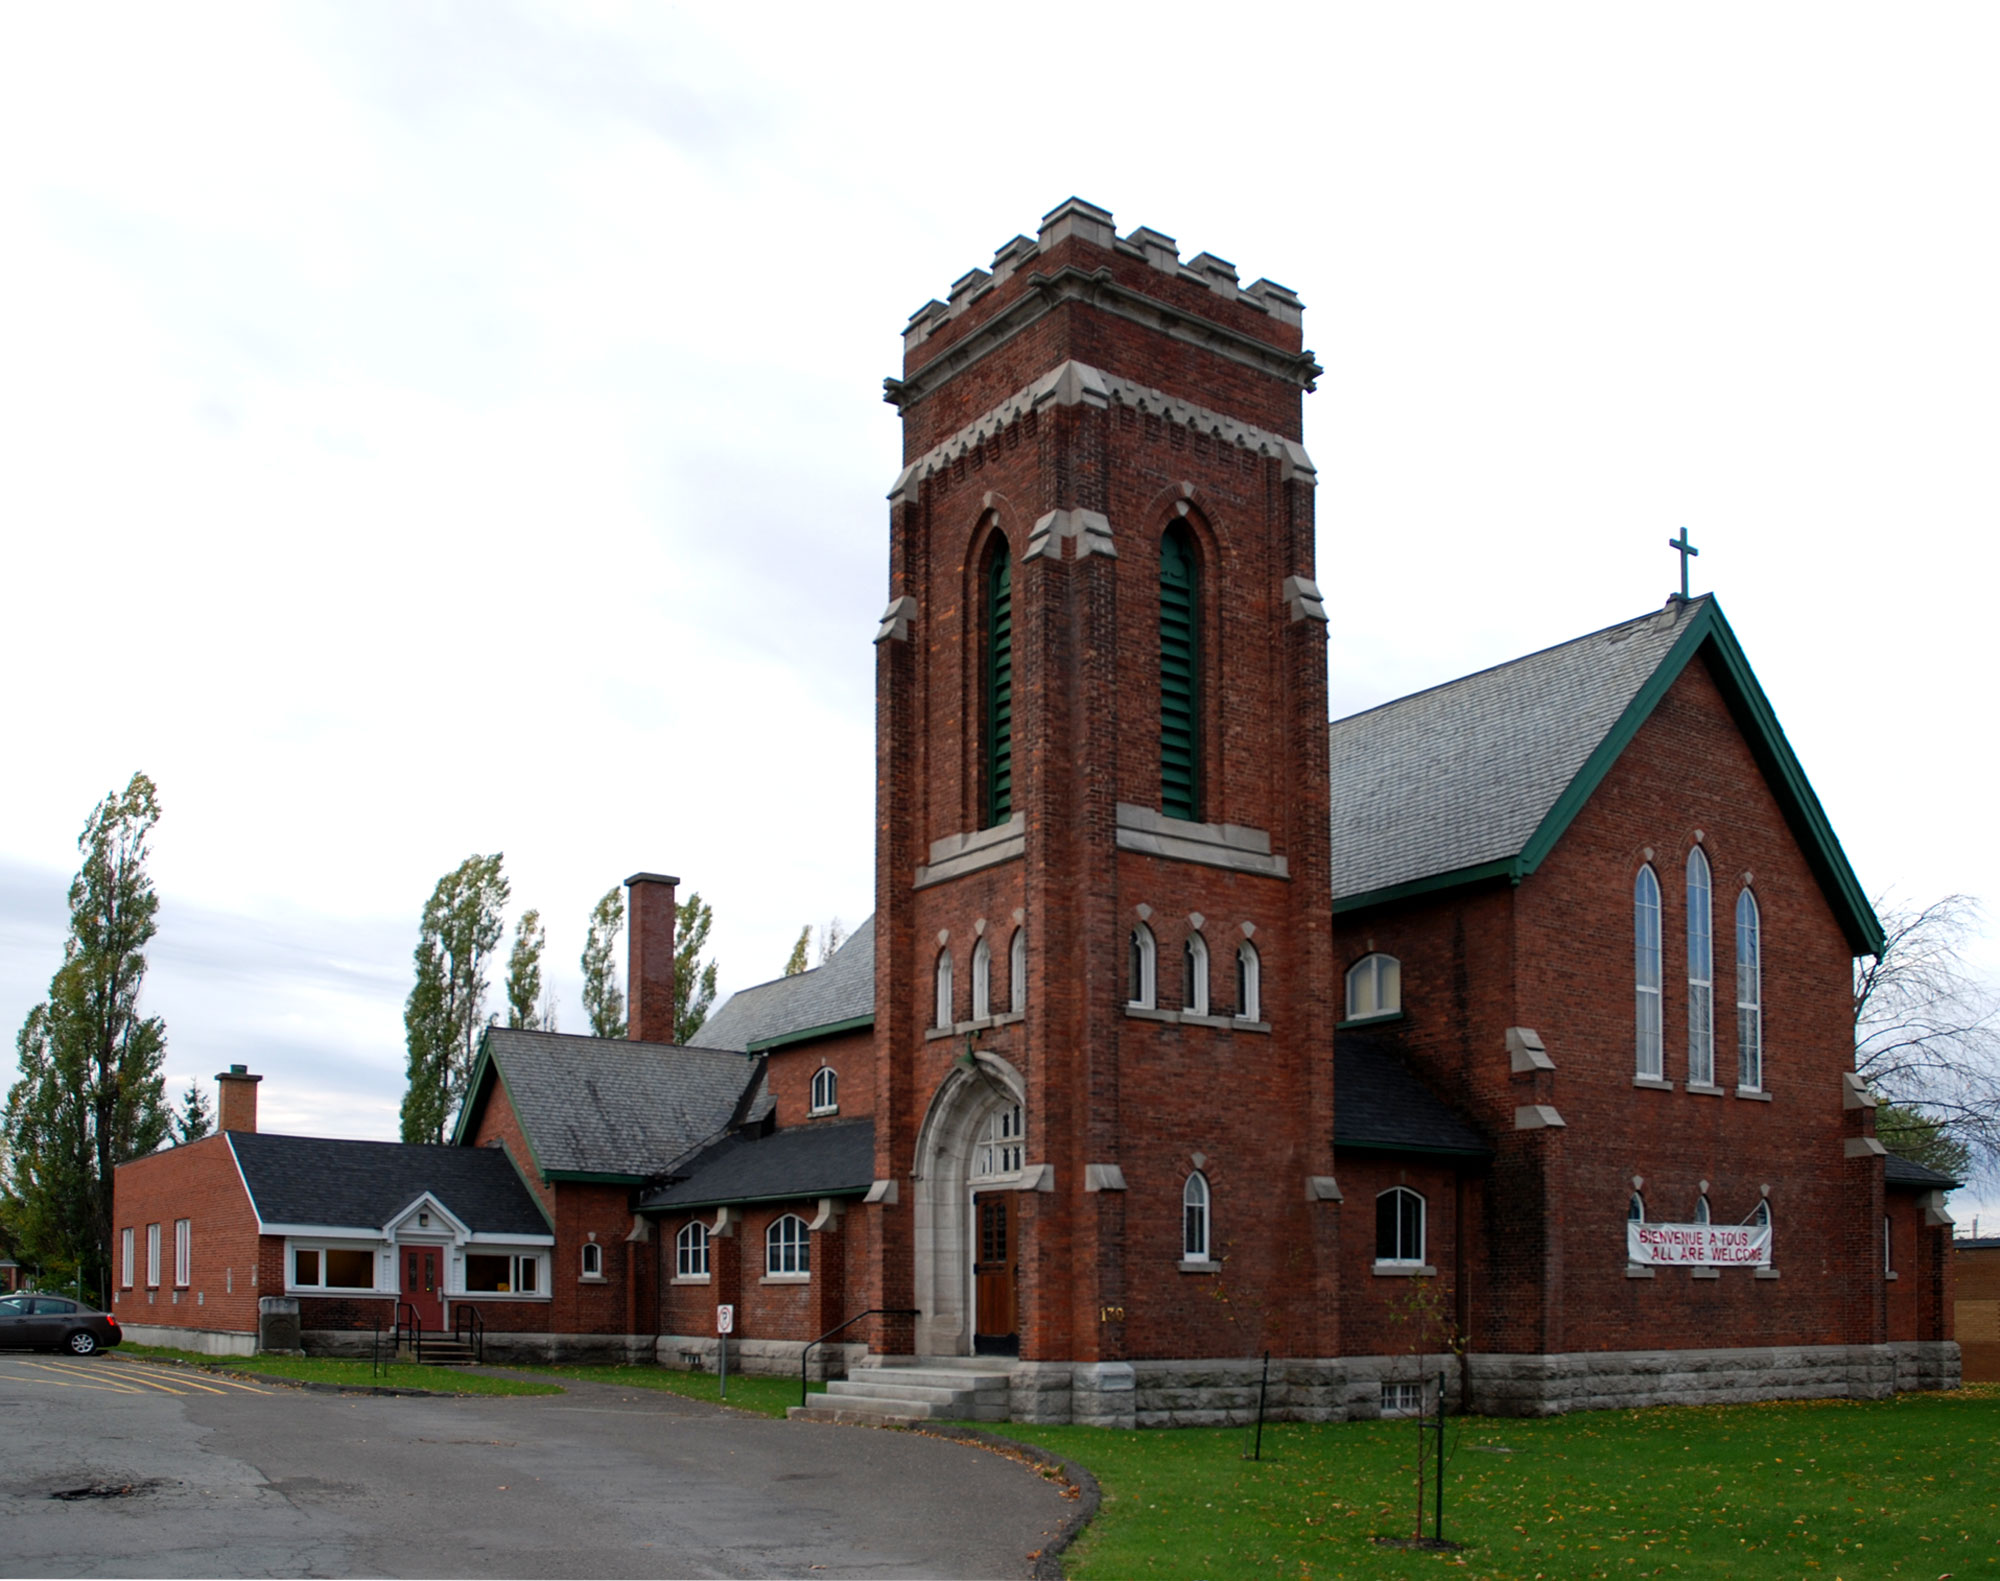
(1502, 1031)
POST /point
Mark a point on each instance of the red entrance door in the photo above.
(995, 1329)
(423, 1284)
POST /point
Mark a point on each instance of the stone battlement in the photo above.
(1092, 225)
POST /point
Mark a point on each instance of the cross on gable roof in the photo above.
(1478, 778)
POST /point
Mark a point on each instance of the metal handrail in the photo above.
(466, 1322)
(415, 1327)
(806, 1355)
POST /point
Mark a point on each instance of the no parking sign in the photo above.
(725, 1320)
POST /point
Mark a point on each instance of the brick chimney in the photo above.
(649, 968)
(236, 1093)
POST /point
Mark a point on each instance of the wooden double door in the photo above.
(996, 1327)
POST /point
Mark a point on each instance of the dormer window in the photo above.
(1374, 987)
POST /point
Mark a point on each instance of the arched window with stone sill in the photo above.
(1374, 987)
(1194, 1219)
(1142, 969)
(1646, 972)
(941, 1008)
(982, 980)
(1194, 970)
(1017, 972)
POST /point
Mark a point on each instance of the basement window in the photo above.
(1402, 1399)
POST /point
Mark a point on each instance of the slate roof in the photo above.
(841, 990)
(607, 1106)
(1465, 773)
(822, 1159)
(339, 1183)
(1379, 1103)
(1900, 1171)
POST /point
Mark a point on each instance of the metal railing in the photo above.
(414, 1328)
(469, 1328)
(805, 1356)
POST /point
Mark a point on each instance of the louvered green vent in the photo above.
(1180, 679)
(999, 687)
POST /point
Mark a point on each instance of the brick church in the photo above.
(1502, 1031)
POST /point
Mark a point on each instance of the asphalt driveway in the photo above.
(115, 1468)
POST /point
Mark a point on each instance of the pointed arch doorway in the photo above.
(969, 1175)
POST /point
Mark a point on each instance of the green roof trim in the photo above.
(806, 1034)
(1708, 634)
(751, 1202)
(592, 1177)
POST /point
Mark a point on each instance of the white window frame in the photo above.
(126, 1258)
(691, 1253)
(1635, 1201)
(152, 1257)
(942, 1007)
(322, 1288)
(1888, 1248)
(825, 1091)
(1195, 963)
(183, 1253)
(1374, 987)
(787, 1251)
(517, 1263)
(1002, 1144)
(1701, 970)
(1701, 1210)
(1651, 1060)
(1142, 969)
(590, 1260)
(982, 980)
(1423, 1229)
(1749, 992)
(1249, 983)
(1196, 1235)
(1017, 972)
(1402, 1399)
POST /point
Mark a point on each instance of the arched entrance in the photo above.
(968, 1175)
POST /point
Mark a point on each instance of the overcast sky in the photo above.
(444, 428)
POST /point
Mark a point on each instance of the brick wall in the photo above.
(789, 1074)
(198, 1182)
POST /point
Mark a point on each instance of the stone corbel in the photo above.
(1537, 1117)
(1526, 1052)
(882, 1191)
(1854, 1093)
(1091, 531)
(1864, 1147)
(896, 620)
(1935, 1214)
(830, 1210)
(1323, 1188)
(1302, 596)
(1037, 1177)
(1103, 1177)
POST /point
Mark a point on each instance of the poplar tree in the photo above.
(460, 930)
(603, 999)
(694, 984)
(524, 976)
(90, 1093)
(799, 961)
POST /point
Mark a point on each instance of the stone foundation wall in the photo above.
(203, 1341)
(1627, 1379)
(1223, 1392)
(772, 1358)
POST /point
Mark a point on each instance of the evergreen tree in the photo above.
(1922, 1140)
(90, 1093)
(694, 985)
(799, 961)
(446, 1009)
(524, 975)
(603, 999)
(194, 1120)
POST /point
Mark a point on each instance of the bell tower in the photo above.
(1105, 992)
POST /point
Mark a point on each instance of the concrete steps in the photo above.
(899, 1389)
(441, 1353)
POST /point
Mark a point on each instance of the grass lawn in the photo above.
(765, 1396)
(1821, 1489)
(327, 1369)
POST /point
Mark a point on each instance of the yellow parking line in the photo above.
(88, 1370)
(208, 1385)
(110, 1386)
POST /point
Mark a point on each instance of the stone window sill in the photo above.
(1653, 1082)
(1705, 1273)
(1754, 1094)
(786, 1279)
(592, 1279)
(831, 1108)
(1766, 1273)
(1149, 1013)
(1404, 1270)
(1192, 1265)
(1705, 1090)
(935, 1033)
(1368, 1021)
(690, 1279)
(481, 1296)
(1242, 1025)
(1638, 1271)
(1889, 1274)
(1190, 1019)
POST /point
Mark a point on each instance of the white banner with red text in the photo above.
(1699, 1245)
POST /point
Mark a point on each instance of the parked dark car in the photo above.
(39, 1322)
